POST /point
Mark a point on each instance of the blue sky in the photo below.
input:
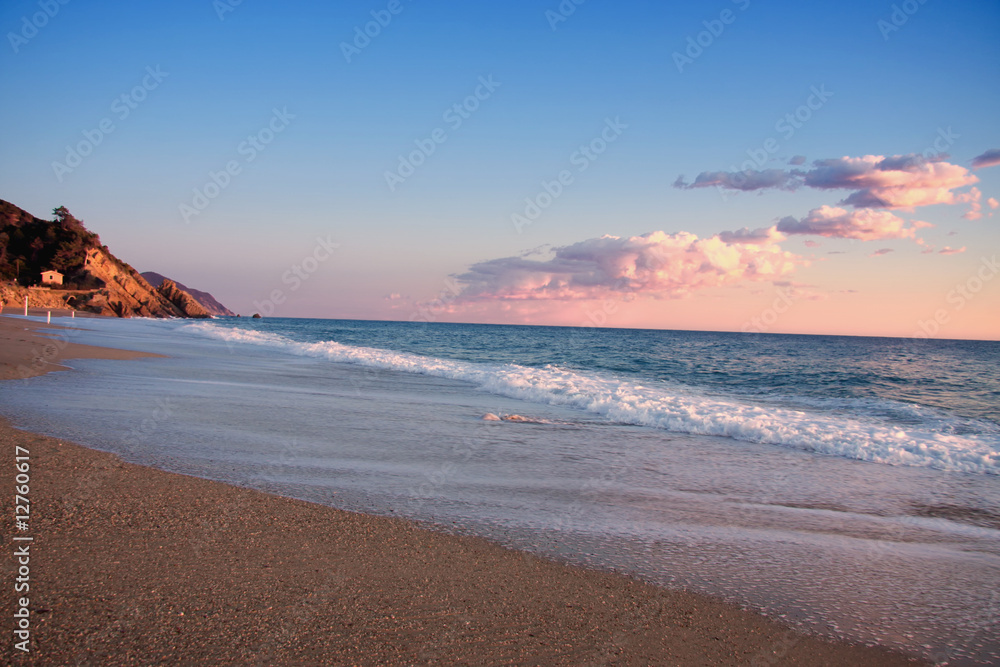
(345, 124)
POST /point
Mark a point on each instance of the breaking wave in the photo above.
(927, 437)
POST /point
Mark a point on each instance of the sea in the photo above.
(847, 486)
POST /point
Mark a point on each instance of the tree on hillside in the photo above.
(62, 215)
(31, 245)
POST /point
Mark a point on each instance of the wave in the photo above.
(866, 437)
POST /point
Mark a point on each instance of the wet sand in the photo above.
(24, 352)
(132, 565)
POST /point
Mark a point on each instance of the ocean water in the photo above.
(849, 486)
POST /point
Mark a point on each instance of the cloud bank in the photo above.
(657, 265)
(895, 182)
(667, 266)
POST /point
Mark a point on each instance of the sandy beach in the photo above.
(132, 565)
(24, 352)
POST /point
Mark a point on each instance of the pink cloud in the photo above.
(973, 198)
(895, 182)
(657, 265)
(863, 225)
(812, 244)
(993, 203)
(990, 158)
(880, 252)
(898, 182)
(947, 250)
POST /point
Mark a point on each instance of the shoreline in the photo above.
(26, 352)
(137, 565)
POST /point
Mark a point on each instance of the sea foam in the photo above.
(861, 435)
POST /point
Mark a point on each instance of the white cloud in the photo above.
(657, 265)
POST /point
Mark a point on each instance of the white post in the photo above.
(48, 320)
(25, 306)
(72, 314)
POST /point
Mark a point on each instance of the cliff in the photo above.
(209, 302)
(183, 301)
(96, 280)
(128, 294)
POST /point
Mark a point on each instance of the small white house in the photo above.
(52, 278)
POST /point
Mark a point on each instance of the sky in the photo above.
(779, 167)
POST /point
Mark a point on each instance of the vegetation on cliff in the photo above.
(30, 245)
